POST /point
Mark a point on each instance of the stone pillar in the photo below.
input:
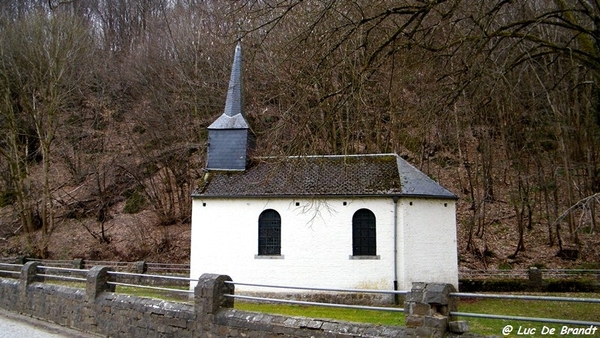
(535, 278)
(140, 267)
(97, 282)
(78, 263)
(427, 309)
(209, 298)
(28, 276)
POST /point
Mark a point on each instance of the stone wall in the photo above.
(98, 310)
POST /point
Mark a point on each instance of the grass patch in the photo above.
(71, 284)
(350, 315)
(136, 201)
(172, 296)
(527, 308)
(540, 309)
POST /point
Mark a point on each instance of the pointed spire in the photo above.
(230, 140)
(234, 104)
(233, 115)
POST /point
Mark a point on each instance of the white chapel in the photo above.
(369, 221)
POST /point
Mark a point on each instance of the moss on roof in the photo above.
(355, 175)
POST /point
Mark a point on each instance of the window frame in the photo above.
(364, 234)
(269, 234)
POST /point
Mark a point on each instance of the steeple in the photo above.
(234, 103)
(229, 137)
(233, 116)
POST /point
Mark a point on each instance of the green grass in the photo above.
(321, 312)
(173, 296)
(540, 309)
(136, 291)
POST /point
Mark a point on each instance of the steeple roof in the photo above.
(233, 115)
(230, 139)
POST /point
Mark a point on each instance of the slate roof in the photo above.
(233, 114)
(310, 176)
(229, 137)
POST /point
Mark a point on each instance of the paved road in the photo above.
(13, 325)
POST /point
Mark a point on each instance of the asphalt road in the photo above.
(13, 325)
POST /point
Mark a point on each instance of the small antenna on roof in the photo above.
(239, 35)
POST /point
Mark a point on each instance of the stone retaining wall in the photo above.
(97, 309)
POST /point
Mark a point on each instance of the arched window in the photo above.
(363, 233)
(269, 233)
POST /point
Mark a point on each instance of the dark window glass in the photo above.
(269, 233)
(363, 233)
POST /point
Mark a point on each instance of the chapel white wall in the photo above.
(427, 241)
(316, 242)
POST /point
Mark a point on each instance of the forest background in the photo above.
(104, 106)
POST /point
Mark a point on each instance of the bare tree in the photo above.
(45, 53)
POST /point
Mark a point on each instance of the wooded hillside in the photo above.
(104, 106)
